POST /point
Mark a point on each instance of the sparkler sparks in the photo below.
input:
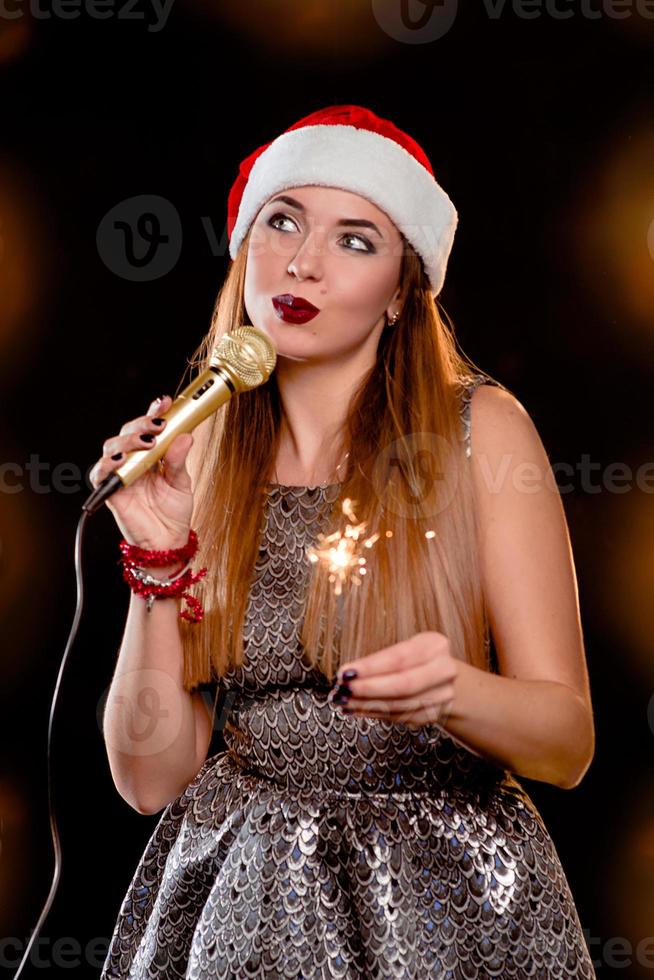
(342, 552)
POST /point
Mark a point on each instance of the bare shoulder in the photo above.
(503, 432)
(514, 482)
(493, 406)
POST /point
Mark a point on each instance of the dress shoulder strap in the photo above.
(467, 386)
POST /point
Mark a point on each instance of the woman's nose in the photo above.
(307, 261)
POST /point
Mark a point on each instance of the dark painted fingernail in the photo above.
(158, 421)
(147, 437)
(342, 695)
(117, 456)
(349, 675)
(347, 711)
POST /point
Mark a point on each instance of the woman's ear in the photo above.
(395, 305)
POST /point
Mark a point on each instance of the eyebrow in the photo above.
(350, 222)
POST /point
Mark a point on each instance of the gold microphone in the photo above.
(242, 360)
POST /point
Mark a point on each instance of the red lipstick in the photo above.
(294, 309)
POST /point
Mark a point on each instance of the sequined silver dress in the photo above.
(321, 845)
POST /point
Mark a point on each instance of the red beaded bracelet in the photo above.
(134, 559)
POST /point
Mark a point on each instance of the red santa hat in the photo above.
(350, 147)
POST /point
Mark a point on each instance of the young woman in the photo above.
(376, 827)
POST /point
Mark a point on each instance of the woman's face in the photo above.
(334, 249)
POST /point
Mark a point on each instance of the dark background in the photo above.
(541, 129)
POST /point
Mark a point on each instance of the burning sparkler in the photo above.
(342, 552)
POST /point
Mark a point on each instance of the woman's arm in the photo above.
(537, 716)
(155, 731)
(538, 729)
(534, 718)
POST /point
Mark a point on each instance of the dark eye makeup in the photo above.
(362, 238)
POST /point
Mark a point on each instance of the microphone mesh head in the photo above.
(248, 354)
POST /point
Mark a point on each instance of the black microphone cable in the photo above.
(81, 524)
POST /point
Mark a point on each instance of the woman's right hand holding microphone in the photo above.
(155, 511)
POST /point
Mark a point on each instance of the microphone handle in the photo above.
(207, 392)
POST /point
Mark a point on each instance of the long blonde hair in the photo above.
(407, 475)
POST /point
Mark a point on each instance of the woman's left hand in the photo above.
(412, 682)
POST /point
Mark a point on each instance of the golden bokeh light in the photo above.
(301, 29)
(610, 232)
(623, 554)
(15, 37)
(628, 895)
(24, 270)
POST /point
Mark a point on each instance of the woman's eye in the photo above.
(361, 238)
(278, 217)
(368, 246)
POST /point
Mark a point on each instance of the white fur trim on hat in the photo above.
(365, 163)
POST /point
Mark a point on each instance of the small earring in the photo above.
(393, 320)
